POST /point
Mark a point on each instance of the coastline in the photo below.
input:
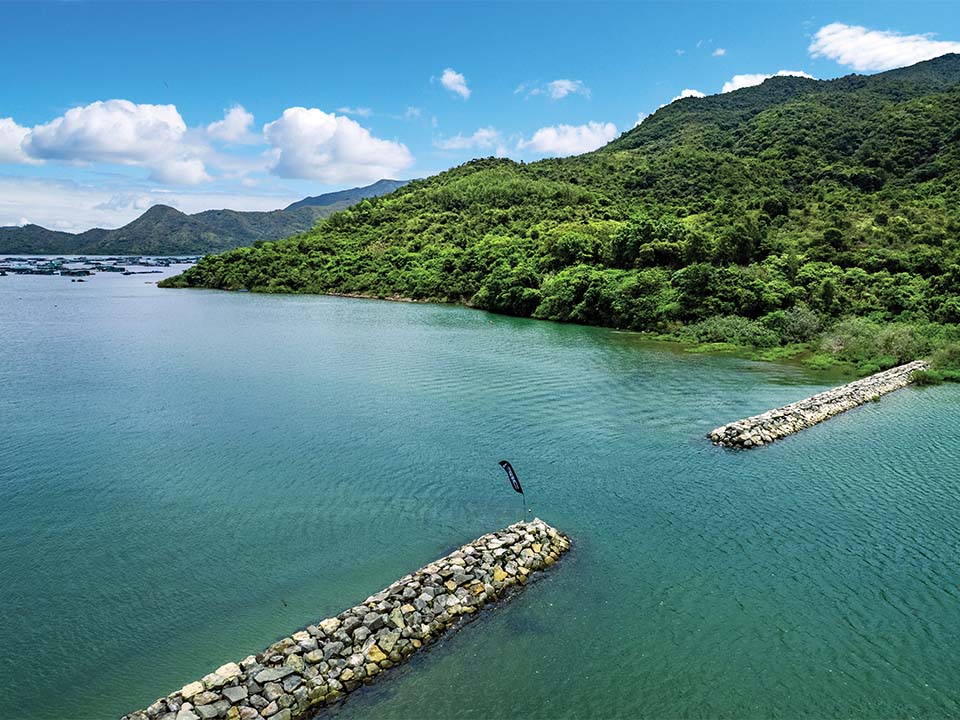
(805, 358)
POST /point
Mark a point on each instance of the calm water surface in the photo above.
(186, 476)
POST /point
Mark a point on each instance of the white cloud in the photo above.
(688, 93)
(312, 144)
(124, 133)
(11, 141)
(559, 89)
(870, 50)
(751, 79)
(678, 51)
(487, 137)
(234, 128)
(455, 82)
(719, 52)
(359, 111)
(569, 139)
(555, 89)
(640, 118)
(412, 113)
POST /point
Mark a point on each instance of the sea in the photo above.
(188, 475)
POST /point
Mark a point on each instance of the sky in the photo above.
(109, 108)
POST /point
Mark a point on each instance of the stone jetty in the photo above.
(775, 424)
(300, 674)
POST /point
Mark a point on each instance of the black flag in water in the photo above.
(514, 480)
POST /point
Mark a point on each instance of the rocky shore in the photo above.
(300, 674)
(775, 424)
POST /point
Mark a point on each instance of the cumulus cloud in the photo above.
(751, 79)
(359, 111)
(719, 52)
(234, 128)
(455, 82)
(641, 116)
(311, 144)
(124, 133)
(688, 93)
(569, 139)
(487, 137)
(12, 137)
(867, 50)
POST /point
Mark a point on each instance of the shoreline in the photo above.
(838, 369)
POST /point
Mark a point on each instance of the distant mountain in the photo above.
(351, 196)
(163, 230)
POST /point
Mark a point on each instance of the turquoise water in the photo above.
(186, 476)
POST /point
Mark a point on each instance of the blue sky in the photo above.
(107, 108)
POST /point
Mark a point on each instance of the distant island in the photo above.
(163, 230)
(798, 217)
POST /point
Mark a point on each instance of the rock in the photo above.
(373, 621)
(396, 617)
(272, 674)
(191, 689)
(228, 671)
(498, 574)
(207, 711)
(235, 693)
(375, 654)
(187, 714)
(387, 639)
(332, 649)
(294, 661)
(272, 690)
(330, 625)
(205, 698)
(314, 657)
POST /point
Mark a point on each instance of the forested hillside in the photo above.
(794, 215)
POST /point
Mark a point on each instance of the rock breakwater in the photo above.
(315, 667)
(775, 424)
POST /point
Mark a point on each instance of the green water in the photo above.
(186, 476)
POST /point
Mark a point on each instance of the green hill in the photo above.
(794, 214)
(163, 230)
(351, 196)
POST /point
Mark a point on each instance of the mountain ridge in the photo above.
(164, 230)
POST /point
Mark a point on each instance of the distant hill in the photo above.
(163, 230)
(351, 196)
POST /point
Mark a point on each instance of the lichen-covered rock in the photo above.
(317, 666)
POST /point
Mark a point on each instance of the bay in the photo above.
(187, 475)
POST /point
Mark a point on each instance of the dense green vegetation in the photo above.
(797, 217)
(163, 230)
